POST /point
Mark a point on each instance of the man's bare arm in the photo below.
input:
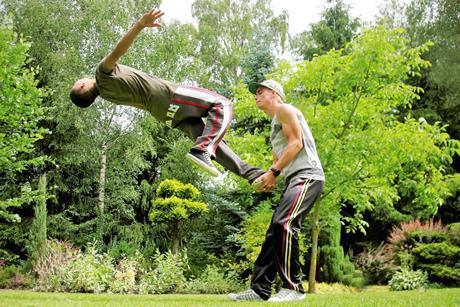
(147, 20)
(291, 129)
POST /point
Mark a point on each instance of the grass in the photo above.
(419, 298)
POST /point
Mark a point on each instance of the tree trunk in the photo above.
(102, 170)
(175, 240)
(314, 249)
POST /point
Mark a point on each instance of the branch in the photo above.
(357, 99)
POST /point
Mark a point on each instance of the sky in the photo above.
(301, 12)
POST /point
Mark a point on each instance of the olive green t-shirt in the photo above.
(125, 85)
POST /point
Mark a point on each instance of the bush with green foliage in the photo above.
(124, 276)
(51, 268)
(89, 272)
(14, 277)
(335, 266)
(252, 233)
(408, 280)
(167, 275)
(376, 264)
(21, 111)
(67, 269)
(429, 246)
(176, 207)
(440, 261)
(404, 237)
(443, 274)
(213, 281)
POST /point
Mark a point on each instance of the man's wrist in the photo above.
(275, 171)
(140, 24)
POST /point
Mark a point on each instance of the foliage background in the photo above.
(381, 103)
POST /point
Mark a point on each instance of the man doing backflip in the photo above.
(178, 106)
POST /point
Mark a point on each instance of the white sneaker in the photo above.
(287, 295)
(248, 295)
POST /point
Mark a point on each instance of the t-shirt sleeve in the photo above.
(101, 69)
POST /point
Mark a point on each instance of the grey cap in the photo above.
(271, 84)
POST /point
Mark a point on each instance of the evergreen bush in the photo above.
(443, 274)
(429, 246)
(454, 233)
(335, 265)
(443, 252)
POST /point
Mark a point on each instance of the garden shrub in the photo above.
(89, 272)
(408, 280)
(443, 274)
(51, 268)
(406, 236)
(212, 281)
(13, 277)
(376, 264)
(254, 227)
(444, 252)
(166, 277)
(124, 276)
(429, 236)
(335, 267)
(454, 233)
(121, 249)
(429, 246)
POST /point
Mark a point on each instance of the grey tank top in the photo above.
(306, 163)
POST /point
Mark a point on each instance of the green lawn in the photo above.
(432, 297)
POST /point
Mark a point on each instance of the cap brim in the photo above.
(253, 86)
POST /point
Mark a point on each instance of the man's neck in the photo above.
(272, 109)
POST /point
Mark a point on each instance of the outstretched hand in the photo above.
(149, 18)
(266, 182)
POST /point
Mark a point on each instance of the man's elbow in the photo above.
(297, 145)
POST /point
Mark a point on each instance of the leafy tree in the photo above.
(102, 150)
(256, 65)
(176, 206)
(436, 21)
(371, 159)
(21, 111)
(383, 162)
(335, 29)
(228, 30)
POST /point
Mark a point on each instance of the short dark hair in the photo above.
(83, 99)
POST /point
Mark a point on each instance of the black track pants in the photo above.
(280, 251)
(194, 127)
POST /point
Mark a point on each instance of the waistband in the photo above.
(302, 174)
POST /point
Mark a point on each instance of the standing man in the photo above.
(294, 158)
(178, 106)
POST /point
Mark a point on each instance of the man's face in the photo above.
(83, 85)
(263, 96)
